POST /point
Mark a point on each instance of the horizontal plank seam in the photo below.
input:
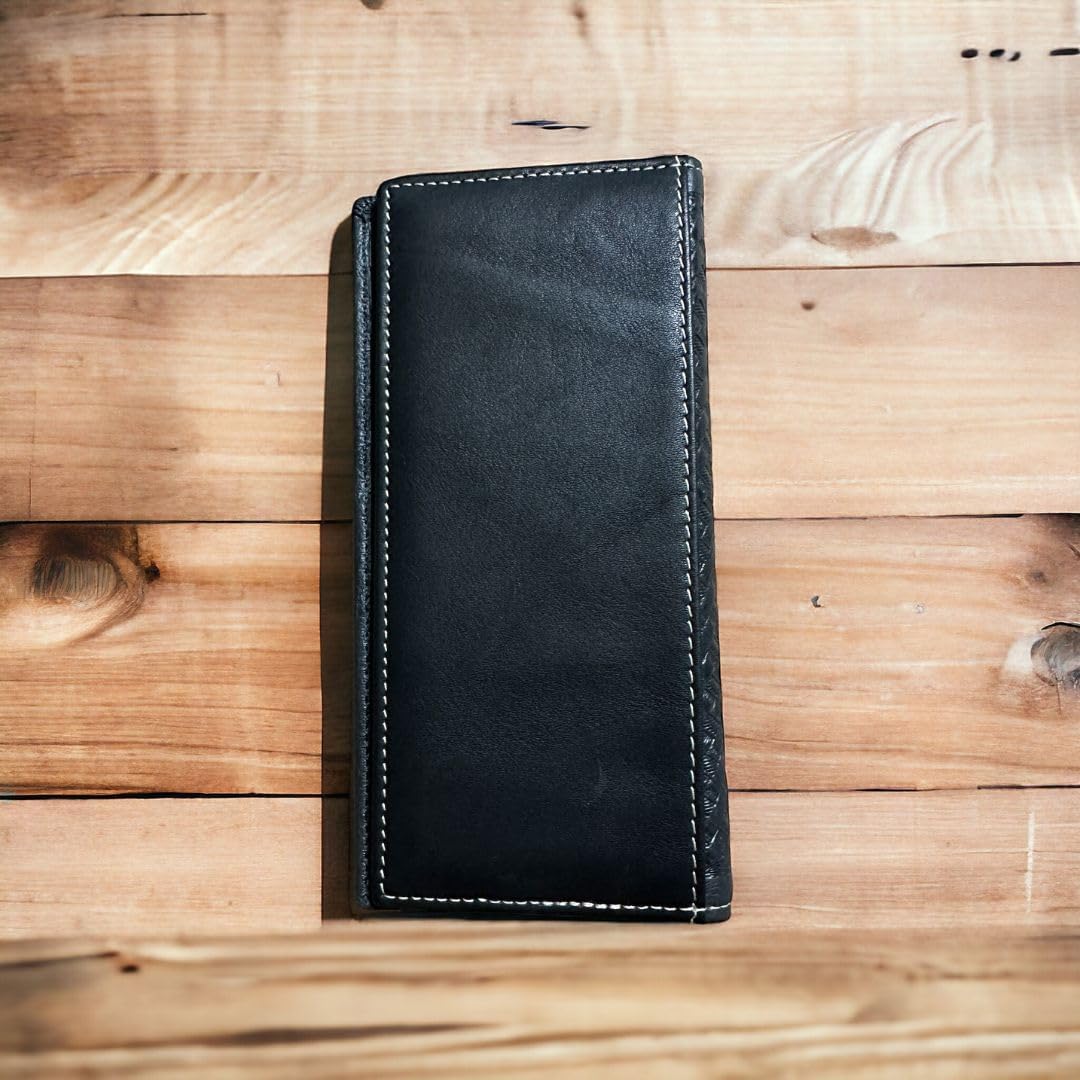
(780, 268)
(175, 521)
(14, 796)
(349, 521)
(753, 268)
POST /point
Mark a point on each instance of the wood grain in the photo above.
(910, 391)
(202, 672)
(152, 398)
(867, 392)
(802, 860)
(126, 865)
(898, 653)
(459, 999)
(233, 137)
(174, 658)
(18, 375)
(856, 654)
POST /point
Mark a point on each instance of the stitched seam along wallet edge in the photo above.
(707, 856)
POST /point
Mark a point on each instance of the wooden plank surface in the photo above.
(126, 865)
(174, 658)
(802, 860)
(866, 392)
(173, 399)
(18, 375)
(456, 999)
(855, 654)
(900, 652)
(925, 391)
(233, 136)
(179, 692)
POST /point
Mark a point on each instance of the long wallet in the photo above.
(538, 722)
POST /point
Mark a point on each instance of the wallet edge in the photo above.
(714, 860)
(359, 874)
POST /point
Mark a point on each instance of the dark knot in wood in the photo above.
(1055, 657)
(64, 583)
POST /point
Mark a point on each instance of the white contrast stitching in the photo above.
(686, 538)
(694, 907)
(386, 544)
(555, 903)
(533, 175)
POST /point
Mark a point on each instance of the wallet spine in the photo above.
(360, 801)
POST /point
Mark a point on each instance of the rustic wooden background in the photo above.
(892, 224)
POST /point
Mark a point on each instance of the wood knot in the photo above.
(64, 583)
(67, 578)
(853, 238)
(1055, 656)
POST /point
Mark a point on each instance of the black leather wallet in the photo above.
(538, 724)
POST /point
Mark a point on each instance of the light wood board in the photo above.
(231, 136)
(863, 392)
(216, 658)
(455, 999)
(801, 861)
(174, 658)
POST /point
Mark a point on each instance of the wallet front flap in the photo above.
(538, 631)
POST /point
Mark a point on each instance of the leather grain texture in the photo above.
(538, 711)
